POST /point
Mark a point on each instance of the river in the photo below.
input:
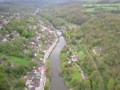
(57, 82)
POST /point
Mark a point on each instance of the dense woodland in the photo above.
(102, 69)
(68, 13)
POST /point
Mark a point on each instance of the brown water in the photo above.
(57, 82)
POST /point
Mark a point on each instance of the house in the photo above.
(69, 62)
(1, 27)
(18, 17)
(1, 61)
(75, 57)
(97, 50)
(35, 54)
(4, 22)
(34, 27)
(36, 82)
(43, 28)
(0, 21)
(32, 43)
(45, 51)
(29, 27)
(5, 40)
(14, 34)
(38, 36)
(12, 65)
(38, 75)
(41, 22)
(32, 88)
(25, 51)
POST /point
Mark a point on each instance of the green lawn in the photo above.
(76, 75)
(82, 55)
(19, 61)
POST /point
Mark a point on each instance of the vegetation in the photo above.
(97, 8)
(14, 61)
(91, 31)
(48, 72)
(102, 31)
(100, 28)
(63, 14)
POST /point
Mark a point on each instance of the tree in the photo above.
(94, 85)
(117, 87)
(111, 85)
(20, 85)
(26, 34)
(86, 84)
(3, 83)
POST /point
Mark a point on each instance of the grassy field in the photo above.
(19, 61)
(82, 55)
(96, 7)
(76, 75)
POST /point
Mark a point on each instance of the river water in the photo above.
(57, 82)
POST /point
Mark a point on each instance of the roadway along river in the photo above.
(57, 82)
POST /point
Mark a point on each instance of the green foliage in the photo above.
(47, 85)
(111, 85)
(19, 61)
(3, 82)
(15, 47)
(20, 85)
(64, 14)
(14, 62)
(26, 34)
(103, 31)
(117, 87)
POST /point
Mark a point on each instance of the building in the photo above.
(97, 50)
(75, 57)
(14, 34)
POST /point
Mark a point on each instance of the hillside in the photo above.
(97, 44)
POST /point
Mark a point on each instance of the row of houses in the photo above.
(33, 78)
(74, 58)
(5, 19)
(9, 37)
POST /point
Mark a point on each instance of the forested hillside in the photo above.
(97, 43)
(68, 13)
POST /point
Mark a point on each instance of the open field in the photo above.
(19, 61)
(106, 7)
